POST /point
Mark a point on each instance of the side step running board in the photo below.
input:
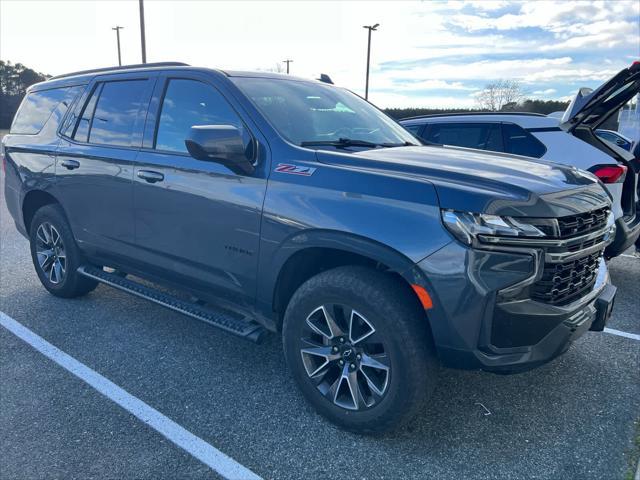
(240, 327)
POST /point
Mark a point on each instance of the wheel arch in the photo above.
(33, 201)
(309, 253)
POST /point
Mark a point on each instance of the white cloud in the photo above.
(483, 70)
(576, 24)
(550, 15)
(548, 91)
(397, 100)
(415, 49)
(487, 5)
(400, 82)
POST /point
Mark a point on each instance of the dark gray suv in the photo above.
(270, 203)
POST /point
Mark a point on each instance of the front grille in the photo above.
(562, 283)
(583, 223)
(576, 247)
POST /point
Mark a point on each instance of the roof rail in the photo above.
(457, 114)
(123, 67)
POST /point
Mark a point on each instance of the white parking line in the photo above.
(620, 333)
(203, 451)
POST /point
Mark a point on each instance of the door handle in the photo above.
(150, 176)
(70, 164)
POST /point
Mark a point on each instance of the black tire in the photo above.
(63, 280)
(388, 307)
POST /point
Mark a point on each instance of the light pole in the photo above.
(371, 28)
(143, 42)
(117, 29)
(287, 62)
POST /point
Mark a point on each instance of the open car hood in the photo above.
(590, 108)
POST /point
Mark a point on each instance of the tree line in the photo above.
(498, 96)
(528, 105)
(14, 81)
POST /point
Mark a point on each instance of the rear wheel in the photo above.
(55, 254)
(358, 345)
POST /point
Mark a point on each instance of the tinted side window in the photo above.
(36, 109)
(415, 129)
(187, 103)
(484, 136)
(116, 112)
(81, 133)
(521, 142)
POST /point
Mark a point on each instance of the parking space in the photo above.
(574, 418)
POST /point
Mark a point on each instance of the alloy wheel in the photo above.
(50, 252)
(345, 357)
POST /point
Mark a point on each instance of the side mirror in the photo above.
(221, 144)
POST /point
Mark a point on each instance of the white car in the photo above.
(570, 140)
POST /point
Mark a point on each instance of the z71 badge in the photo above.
(295, 169)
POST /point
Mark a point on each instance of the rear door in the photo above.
(30, 149)
(197, 222)
(94, 164)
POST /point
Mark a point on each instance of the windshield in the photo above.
(308, 113)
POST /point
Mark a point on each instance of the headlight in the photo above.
(467, 226)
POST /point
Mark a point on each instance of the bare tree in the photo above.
(499, 94)
(277, 68)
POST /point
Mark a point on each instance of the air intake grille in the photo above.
(583, 223)
(561, 283)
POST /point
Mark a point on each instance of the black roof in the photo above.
(123, 67)
(462, 114)
(82, 75)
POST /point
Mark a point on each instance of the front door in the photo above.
(197, 223)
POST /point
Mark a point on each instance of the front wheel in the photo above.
(359, 347)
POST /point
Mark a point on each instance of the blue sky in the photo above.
(425, 53)
(551, 47)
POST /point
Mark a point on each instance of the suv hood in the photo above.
(591, 108)
(484, 182)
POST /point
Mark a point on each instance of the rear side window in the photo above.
(187, 103)
(110, 114)
(415, 129)
(483, 136)
(82, 129)
(36, 109)
(116, 112)
(520, 142)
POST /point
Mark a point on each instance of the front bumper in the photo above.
(478, 323)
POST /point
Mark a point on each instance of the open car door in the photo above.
(590, 108)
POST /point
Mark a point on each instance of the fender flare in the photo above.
(45, 190)
(271, 270)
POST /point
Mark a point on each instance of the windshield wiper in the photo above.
(403, 144)
(351, 142)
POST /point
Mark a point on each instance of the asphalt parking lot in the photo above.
(574, 418)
